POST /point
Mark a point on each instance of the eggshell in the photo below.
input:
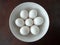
(19, 22)
(32, 13)
(24, 14)
(29, 22)
(24, 30)
(34, 30)
(38, 21)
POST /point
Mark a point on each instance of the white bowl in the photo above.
(28, 6)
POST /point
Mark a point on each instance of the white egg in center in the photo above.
(29, 22)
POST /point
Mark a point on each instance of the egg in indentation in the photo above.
(34, 30)
(24, 30)
(29, 22)
(24, 14)
(32, 13)
(19, 22)
(38, 21)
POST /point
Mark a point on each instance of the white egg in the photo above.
(24, 30)
(19, 22)
(24, 14)
(29, 22)
(38, 21)
(32, 13)
(35, 30)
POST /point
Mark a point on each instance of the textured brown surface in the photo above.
(51, 38)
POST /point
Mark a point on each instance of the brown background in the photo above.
(51, 38)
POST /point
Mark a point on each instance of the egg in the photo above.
(34, 30)
(38, 21)
(24, 30)
(19, 22)
(24, 14)
(29, 22)
(32, 13)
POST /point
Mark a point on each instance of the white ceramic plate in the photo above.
(28, 6)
